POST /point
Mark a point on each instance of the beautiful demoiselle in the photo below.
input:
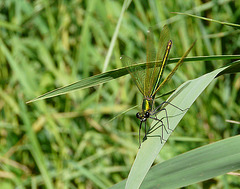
(149, 79)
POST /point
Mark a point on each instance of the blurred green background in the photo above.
(85, 139)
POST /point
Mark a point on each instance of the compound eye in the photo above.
(138, 115)
(147, 114)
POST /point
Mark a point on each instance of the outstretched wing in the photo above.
(150, 68)
(137, 73)
(154, 73)
(148, 79)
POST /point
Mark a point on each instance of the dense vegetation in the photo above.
(87, 138)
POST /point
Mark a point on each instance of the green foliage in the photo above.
(183, 97)
(194, 166)
(69, 140)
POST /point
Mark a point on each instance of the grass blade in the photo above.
(209, 19)
(183, 97)
(195, 166)
(114, 74)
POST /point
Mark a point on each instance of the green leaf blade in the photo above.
(194, 166)
(183, 97)
(114, 74)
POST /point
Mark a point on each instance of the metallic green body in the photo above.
(147, 105)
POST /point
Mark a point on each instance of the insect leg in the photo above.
(139, 134)
(164, 109)
(155, 127)
(158, 108)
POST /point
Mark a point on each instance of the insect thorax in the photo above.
(147, 105)
(146, 109)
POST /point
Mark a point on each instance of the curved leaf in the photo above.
(195, 166)
(183, 97)
(114, 74)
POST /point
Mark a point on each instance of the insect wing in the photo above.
(136, 72)
(160, 61)
(150, 64)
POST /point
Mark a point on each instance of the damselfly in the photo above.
(149, 80)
